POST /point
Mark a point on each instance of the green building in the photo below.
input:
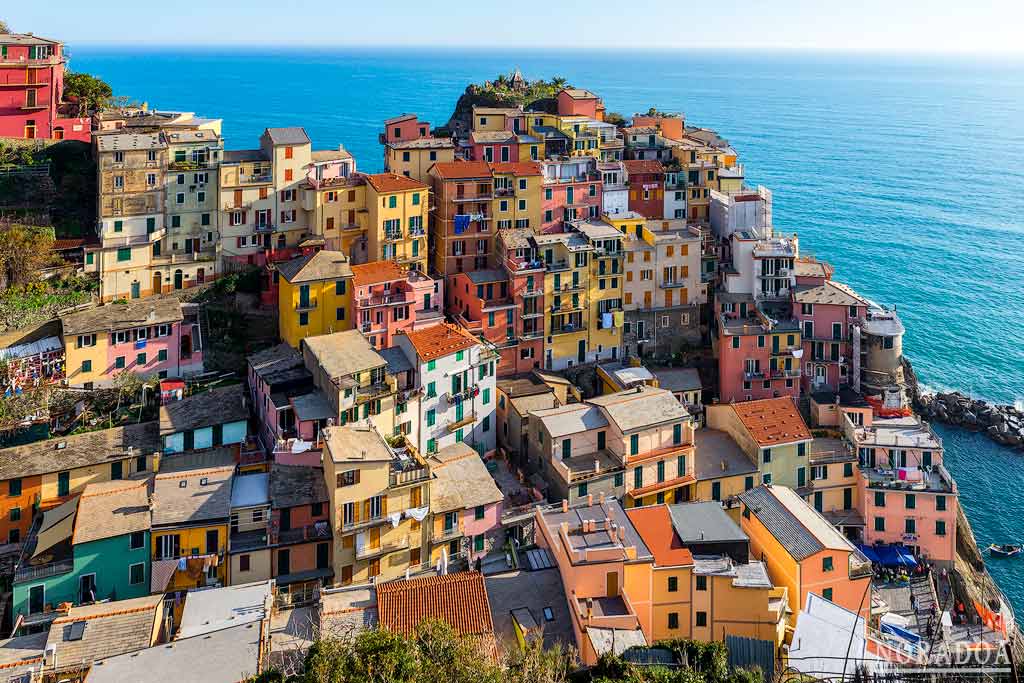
(93, 547)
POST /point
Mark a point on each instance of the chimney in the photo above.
(622, 534)
(565, 505)
(565, 528)
(50, 656)
(601, 497)
(590, 608)
(590, 499)
(607, 523)
(724, 468)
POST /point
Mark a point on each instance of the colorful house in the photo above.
(462, 222)
(389, 298)
(803, 551)
(210, 419)
(249, 553)
(39, 475)
(572, 190)
(456, 374)
(772, 433)
(191, 517)
(300, 532)
(646, 179)
(92, 548)
(32, 104)
(721, 468)
(379, 501)
(517, 254)
(906, 495)
(466, 506)
(759, 349)
(155, 337)
(314, 296)
(413, 158)
(276, 371)
(397, 211)
(703, 584)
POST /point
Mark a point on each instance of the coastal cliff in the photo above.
(504, 91)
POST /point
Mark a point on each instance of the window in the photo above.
(161, 355)
(137, 540)
(940, 527)
(879, 499)
(801, 449)
(673, 620)
(618, 479)
(124, 254)
(766, 455)
(848, 469)
(702, 619)
(140, 359)
(303, 319)
(431, 417)
(677, 434)
(634, 444)
(486, 396)
(673, 584)
(459, 355)
(827, 594)
(137, 573)
(244, 563)
(14, 487)
(826, 564)
(910, 526)
(431, 389)
(86, 366)
(702, 583)
(431, 365)
(910, 501)
(581, 490)
(478, 543)
(638, 477)
(879, 523)
(348, 478)
(661, 471)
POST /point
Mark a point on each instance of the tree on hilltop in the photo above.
(4, 27)
(90, 92)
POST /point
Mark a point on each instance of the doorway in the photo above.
(178, 279)
(87, 588)
(612, 584)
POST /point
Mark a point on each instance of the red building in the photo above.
(580, 102)
(32, 88)
(758, 346)
(646, 180)
(300, 531)
(404, 128)
(461, 223)
(389, 299)
(573, 189)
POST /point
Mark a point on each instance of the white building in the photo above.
(675, 195)
(748, 209)
(615, 193)
(455, 375)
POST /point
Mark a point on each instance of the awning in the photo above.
(160, 575)
(870, 553)
(906, 556)
(889, 555)
(58, 525)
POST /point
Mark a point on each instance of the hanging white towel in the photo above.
(419, 514)
(395, 518)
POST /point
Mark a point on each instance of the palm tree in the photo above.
(559, 82)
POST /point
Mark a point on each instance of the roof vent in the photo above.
(61, 445)
(183, 483)
(204, 481)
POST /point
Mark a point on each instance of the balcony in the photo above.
(570, 287)
(365, 523)
(447, 534)
(783, 373)
(569, 329)
(313, 532)
(366, 552)
(530, 335)
(386, 300)
(190, 165)
(255, 178)
(530, 293)
(408, 476)
(556, 266)
(673, 284)
(568, 306)
(309, 305)
(753, 374)
(392, 235)
(249, 540)
(208, 254)
(425, 314)
(42, 571)
(464, 422)
(264, 228)
(527, 315)
(241, 206)
(417, 232)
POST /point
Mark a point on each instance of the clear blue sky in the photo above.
(865, 25)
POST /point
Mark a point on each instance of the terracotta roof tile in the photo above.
(654, 525)
(375, 272)
(643, 166)
(772, 421)
(458, 599)
(517, 167)
(457, 170)
(441, 340)
(392, 182)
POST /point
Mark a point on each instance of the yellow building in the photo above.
(191, 516)
(517, 196)
(413, 158)
(397, 212)
(336, 212)
(495, 118)
(354, 380)
(702, 584)
(314, 296)
(369, 482)
(721, 468)
(832, 481)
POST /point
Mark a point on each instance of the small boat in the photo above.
(1005, 550)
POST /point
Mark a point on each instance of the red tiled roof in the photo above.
(376, 271)
(68, 243)
(458, 599)
(772, 421)
(517, 167)
(643, 166)
(441, 340)
(654, 525)
(392, 182)
(456, 170)
(662, 486)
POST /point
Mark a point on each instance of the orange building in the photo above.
(803, 552)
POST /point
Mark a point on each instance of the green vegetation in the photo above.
(505, 91)
(89, 92)
(436, 654)
(614, 118)
(40, 301)
(4, 27)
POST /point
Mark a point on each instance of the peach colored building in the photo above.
(803, 551)
(389, 299)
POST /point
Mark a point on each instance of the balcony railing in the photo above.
(311, 532)
(465, 421)
(364, 523)
(569, 329)
(408, 476)
(385, 299)
(255, 178)
(367, 552)
(30, 573)
(306, 305)
(448, 534)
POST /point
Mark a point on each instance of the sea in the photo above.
(905, 172)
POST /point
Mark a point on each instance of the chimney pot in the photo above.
(590, 499)
(601, 497)
(622, 533)
(565, 505)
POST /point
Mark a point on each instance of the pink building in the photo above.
(32, 89)
(572, 189)
(756, 344)
(496, 146)
(466, 503)
(300, 529)
(389, 299)
(906, 496)
(827, 312)
(403, 128)
(580, 102)
(276, 375)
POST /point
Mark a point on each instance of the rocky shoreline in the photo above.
(1004, 424)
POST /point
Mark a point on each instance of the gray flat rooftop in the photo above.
(717, 455)
(704, 522)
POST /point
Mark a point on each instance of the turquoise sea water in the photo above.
(906, 173)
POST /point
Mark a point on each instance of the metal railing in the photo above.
(31, 573)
